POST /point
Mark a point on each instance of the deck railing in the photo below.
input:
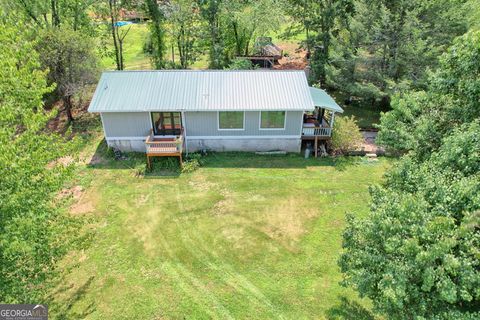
(317, 131)
(164, 145)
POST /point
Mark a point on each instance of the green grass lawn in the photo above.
(366, 117)
(245, 236)
(133, 55)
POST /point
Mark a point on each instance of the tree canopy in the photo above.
(416, 254)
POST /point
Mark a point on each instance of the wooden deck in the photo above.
(163, 147)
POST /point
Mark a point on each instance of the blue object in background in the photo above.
(122, 23)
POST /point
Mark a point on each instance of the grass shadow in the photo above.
(349, 310)
(168, 167)
(290, 160)
(104, 158)
(64, 310)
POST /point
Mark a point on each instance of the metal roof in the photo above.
(189, 90)
(322, 99)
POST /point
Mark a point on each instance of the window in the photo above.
(167, 123)
(272, 120)
(231, 120)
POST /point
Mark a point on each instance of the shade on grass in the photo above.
(252, 237)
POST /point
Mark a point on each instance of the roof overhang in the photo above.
(324, 100)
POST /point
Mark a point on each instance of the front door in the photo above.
(167, 123)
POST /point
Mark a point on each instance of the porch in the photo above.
(158, 146)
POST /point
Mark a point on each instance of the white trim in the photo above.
(237, 129)
(127, 138)
(260, 120)
(332, 119)
(243, 137)
(301, 123)
(198, 110)
(103, 125)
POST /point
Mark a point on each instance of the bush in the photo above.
(190, 165)
(240, 64)
(346, 135)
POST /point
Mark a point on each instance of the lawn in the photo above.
(133, 55)
(245, 236)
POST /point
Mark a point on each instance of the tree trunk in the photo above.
(157, 34)
(55, 15)
(67, 103)
(112, 4)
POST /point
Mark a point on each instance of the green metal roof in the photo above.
(322, 99)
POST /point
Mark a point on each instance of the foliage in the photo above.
(72, 14)
(346, 134)
(70, 58)
(157, 33)
(240, 64)
(210, 10)
(190, 165)
(184, 23)
(388, 46)
(416, 255)
(419, 120)
(32, 231)
(248, 19)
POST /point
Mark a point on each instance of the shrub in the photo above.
(346, 135)
(240, 64)
(190, 165)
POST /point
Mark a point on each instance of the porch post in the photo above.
(332, 118)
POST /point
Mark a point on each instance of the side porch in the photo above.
(318, 125)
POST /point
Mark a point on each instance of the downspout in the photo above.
(184, 133)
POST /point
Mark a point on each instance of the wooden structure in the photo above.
(163, 147)
(265, 53)
(318, 129)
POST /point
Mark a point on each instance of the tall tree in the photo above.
(248, 19)
(71, 61)
(211, 12)
(157, 33)
(118, 33)
(416, 255)
(184, 24)
(389, 46)
(32, 235)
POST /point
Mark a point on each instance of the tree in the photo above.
(71, 62)
(248, 19)
(346, 135)
(416, 254)
(118, 34)
(388, 46)
(32, 230)
(55, 13)
(157, 33)
(184, 24)
(210, 10)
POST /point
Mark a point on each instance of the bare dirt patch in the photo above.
(224, 206)
(295, 58)
(74, 192)
(85, 203)
(286, 221)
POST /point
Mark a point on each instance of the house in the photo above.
(175, 111)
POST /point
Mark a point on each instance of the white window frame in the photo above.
(236, 129)
(260, 120)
